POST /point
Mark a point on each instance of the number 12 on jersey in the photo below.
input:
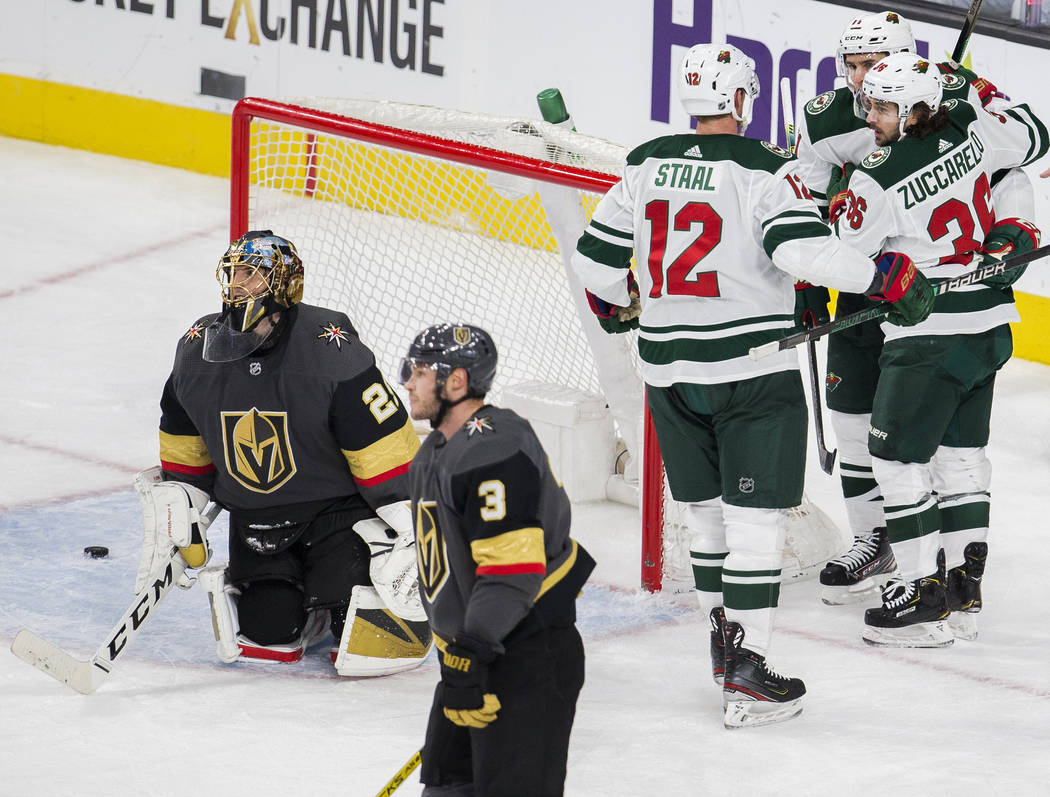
(681, 277)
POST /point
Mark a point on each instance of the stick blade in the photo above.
(827, 460)
(37, 652)
(766, 349)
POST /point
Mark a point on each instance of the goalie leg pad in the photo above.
(222, 596)
(375, 641)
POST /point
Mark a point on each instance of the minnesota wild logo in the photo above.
(876, 158)
(820, 103)
(724, 57)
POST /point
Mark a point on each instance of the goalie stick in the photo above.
(882, 310)
(401, 775)
(967, 31)
(825, 458)
(87, 676)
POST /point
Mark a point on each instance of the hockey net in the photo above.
(408, 215)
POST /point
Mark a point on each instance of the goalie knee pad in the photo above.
(271, 612)
(375, 641)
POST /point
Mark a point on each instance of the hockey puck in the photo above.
(96, 552)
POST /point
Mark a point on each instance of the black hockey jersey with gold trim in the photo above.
(492, 530)
(311, 420)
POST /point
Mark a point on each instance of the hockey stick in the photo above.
(966, 32)
(87, 676)
(401, 775)
(883, 309)
(824, 457)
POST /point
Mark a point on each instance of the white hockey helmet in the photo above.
(884, 32)
(709, 77)
(906, 79)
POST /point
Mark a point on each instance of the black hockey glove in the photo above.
(1008, 238)
(897, 280)
(613, 318)
(464, 679)
(811, 305)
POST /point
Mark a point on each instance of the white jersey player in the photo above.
(926, 190)
(721, 225)
(833, 137)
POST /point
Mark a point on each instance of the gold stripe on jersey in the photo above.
(518, 551)
(560, 573)
(391, 454)
(184, 449)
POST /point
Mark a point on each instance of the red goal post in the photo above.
(362, 186)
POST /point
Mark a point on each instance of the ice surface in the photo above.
(105, 263)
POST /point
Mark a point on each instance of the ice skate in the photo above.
(718, 645)
(964, 591)
(914, 614)
(860, 572)
(753, 694)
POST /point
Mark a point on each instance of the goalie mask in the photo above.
(905, 79)
(446, 347)
(260, 274)
(709, 77)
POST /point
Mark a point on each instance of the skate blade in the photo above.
(963, 625)
(755, 713)
(935, 634)
(864, 590)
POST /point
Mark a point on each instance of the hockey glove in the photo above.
(613, 318)
(811, 305)
(838, 187)
(1007, 238)
(393, 567)
(464, 678)
(172, 514)
(897, 280)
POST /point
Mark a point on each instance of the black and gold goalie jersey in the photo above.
(310, 420)
(492, 530)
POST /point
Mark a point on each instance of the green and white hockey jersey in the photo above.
(931, 199)
(721, 225)
(830, 133)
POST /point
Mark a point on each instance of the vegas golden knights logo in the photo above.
(258, 452)
(461, 335)
(430, 550)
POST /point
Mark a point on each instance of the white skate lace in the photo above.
(862, 551)
(897, 593)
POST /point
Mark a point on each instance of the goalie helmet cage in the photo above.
(408, 215)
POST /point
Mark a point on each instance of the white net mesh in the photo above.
(400, 241)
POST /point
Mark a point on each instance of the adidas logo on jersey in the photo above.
(693, 152)
(943, 146)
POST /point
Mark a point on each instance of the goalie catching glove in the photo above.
(172, 515)
(392, 543)
(464, 678)
(897, 280)
(613, 318)
(1008, 238)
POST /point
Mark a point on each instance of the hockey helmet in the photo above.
(709, 77)
(259, 274)
(446, 347)
(884, 32)
(905, 79)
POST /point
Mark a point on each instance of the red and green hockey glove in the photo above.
(613, 318)
(897, 280)
(1008, 238)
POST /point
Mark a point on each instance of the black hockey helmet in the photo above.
(446, 347)
(259, 274)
